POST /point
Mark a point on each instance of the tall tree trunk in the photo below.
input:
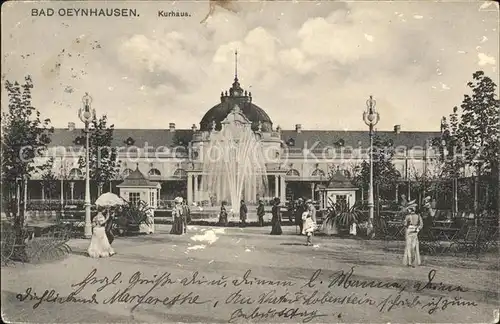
(476, 195)
(19, 216)
(498, 191)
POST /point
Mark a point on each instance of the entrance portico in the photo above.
(276, 181)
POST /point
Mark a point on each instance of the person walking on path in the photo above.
(186, 215)
(108, 227)
(99, 245)
(223, 214)
(276, 220)
(309, 226)
(300, 208)
(261, 212)
(413, 224)
(178, 223)
(243, 213)
(309, 221)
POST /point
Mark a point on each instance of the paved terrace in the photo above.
(225, 254)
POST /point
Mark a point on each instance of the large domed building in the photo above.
(236, 96)
(300, 160)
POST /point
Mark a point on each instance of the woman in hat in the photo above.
(413, 224)
(99, 245)
(276, 220)
(223, 214)
(177, 224)
(309, 226)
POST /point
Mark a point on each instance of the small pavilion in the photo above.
(136, 187)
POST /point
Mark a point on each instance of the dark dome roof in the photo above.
(241, 98)
(219, 112)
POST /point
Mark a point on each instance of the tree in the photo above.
(49, 180)
(103, 162)
(385, 174)
(471, 137)
(479, 124)
(24, 138)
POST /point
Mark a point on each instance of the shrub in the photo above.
(22, 245)
(131, 216)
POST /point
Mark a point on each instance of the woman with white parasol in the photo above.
(102, 237)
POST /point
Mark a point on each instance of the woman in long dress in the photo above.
(99, 244)
(177, 224)
(414, 224)
(276, 220)
(309, 226)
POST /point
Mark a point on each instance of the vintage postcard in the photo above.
(232, 161)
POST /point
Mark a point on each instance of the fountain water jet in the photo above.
(234, 163)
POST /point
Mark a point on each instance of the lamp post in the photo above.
(371, 118)
(86, 115)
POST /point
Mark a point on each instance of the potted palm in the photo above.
(131, 216)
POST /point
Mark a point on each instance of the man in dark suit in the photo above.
(299, 209)
(243, 213)
(261, 212)
(108, 228)
(186, 215)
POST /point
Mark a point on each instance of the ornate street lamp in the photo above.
(86, 115)
(371, 118)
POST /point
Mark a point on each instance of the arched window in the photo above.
(180, 173)
(154, 172)
(75, 173)
(293, 173)
(126, 173)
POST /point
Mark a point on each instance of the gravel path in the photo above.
(275, 290)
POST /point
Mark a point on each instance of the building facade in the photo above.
(298, 160)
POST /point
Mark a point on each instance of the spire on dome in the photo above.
(236, 66)
(236, 89)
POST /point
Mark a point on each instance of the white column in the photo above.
(43, 191)
(158, 191)
(72, 190)
(312, 191)
(283, 188)
(217, 189)
(190, 188)
(196, 195)
(254, 197)
(276, 193)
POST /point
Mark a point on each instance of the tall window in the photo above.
(134, 197)
(152, 198)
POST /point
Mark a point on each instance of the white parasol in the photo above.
(110, 199)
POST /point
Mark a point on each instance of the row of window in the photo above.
(181, 173)
(76, 173)
(315, 173)
(135, 198)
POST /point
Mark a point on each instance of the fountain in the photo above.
(234, 165)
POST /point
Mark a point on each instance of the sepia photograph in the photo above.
(250, 161)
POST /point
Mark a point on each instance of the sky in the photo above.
(313, 63)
